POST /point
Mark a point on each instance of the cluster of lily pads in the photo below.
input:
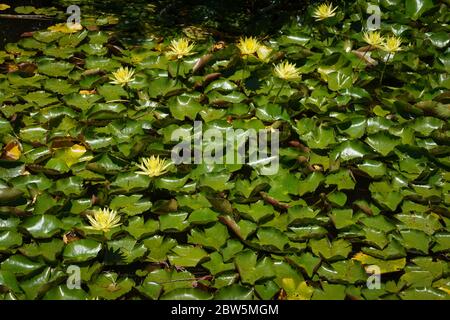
(86, 178)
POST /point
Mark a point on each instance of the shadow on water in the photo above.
(139, 19)
(12, 28)
(226, 18)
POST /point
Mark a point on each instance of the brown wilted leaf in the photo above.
(28, 68)
(12, 151)
(365, 57)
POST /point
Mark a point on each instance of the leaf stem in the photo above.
(364, 55)
(242, 82)
(385, 65)
(279, 91)
(178, 71)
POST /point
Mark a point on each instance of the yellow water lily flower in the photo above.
(122, 76)
(248, 45)
(153, 166)
(263, 53)
(392, 44)
(104, 220)
(373, 38)
(286, 71)
(324, 11)
(180, 48)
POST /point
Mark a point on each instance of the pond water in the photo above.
(143, 18)
(12, 27)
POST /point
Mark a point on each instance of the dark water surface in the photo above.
(11, 29)
(138, 18)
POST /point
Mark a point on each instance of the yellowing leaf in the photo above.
(74, 153)
(385, 266)
(4, 6)
(77, 150)
(88, 91)
(12, 151)
(300, 292)
(445, 289)
(64, 28)
(288, 284)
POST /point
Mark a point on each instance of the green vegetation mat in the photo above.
(92, 208)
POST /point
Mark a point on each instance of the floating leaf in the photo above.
(338, 249)
(212, 237)
(81, 250)
(55, 68)
(385, 266)
(252, 270)
(42, 226)
(187, 256)
(110, 287)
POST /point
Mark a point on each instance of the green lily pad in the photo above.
(62, 292)
(55, 68)
(175, 222)
(382, 142)
(307, 262)
(131, 205)
(269, 236)
(49, 250)
(184, 106)
(252, 270)
(213, 237)
(159, 247)
(187, 294)
(187, 256)
(9, 239)
(339, 80)
(109, 286)
(81, 250)
(338, 249)
(20, 265)
(139, 229)
(128, 249)
(42, 226)
(234, 292)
